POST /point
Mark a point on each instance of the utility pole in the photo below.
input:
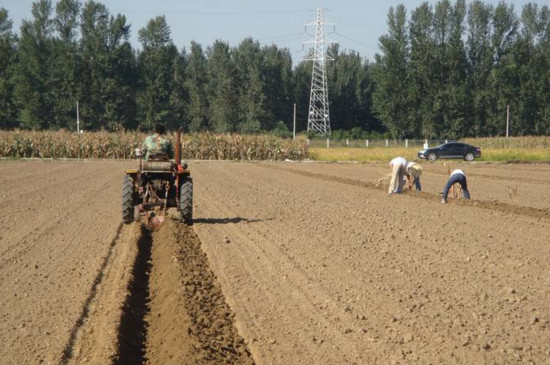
(507, 120)
(318, 116)
(294, 128)
(77, 119)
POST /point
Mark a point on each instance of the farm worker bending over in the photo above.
(157, 146)
(398, 171)
(413, 171)
(457, 176)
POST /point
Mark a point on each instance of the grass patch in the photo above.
(387, 153)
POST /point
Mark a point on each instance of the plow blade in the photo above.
(155, 221)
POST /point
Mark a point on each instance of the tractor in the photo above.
(156, 185)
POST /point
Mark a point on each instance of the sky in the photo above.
(357, 24)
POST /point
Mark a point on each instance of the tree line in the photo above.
(447, 71)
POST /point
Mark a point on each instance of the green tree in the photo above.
(424, 66)
(281, 130)
(120, 85)
(480, 59)
(156, 70)
(452, 94)
(302, 85)
(35, 89)
(504, 33)
(107, 86)
(221, 89)
(531, 111)
(65, 58)
(278, 86)
(249, 83)
(391, 98)
(179, 98)
(195, 86)
(365, 89)
(344, 80)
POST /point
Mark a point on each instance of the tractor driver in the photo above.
(157, 146)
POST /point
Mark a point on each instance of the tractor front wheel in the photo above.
(127, 199)
(186, 201)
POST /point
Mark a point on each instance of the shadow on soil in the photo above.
(133, 329)
(227, 220)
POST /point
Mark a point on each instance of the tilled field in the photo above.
(286, 264)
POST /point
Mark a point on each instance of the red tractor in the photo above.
(158, 184)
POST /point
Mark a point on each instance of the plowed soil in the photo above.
(296, 263)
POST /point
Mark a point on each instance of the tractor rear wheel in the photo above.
(127, 199)
(186, 201)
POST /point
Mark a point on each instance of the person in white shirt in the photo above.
(398, 171)
(457, 176)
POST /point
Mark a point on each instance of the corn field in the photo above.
(122, 145)
(527, 142)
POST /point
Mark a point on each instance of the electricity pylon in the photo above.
(318, 117)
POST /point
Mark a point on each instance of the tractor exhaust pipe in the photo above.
(177, 154)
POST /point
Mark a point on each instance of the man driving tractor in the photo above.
(157, 146)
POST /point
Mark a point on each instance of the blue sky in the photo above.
(358, 24)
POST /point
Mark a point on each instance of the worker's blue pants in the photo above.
(457, 178)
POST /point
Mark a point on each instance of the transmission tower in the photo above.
(318, 117)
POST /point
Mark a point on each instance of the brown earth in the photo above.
(487, 182)
(308, 263)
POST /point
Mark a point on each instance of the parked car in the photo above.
(451, 150)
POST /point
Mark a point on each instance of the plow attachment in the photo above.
(152, 213)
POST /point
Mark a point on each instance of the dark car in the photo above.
(451, 150)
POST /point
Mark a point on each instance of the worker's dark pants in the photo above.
(457, 178)
(417, 183)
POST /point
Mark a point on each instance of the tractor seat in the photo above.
(158, 156)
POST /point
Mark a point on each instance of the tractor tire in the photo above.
(127, 199)
(186, 201)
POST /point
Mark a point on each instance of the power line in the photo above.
(282, 37)
(210, 13)
(355, 40)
